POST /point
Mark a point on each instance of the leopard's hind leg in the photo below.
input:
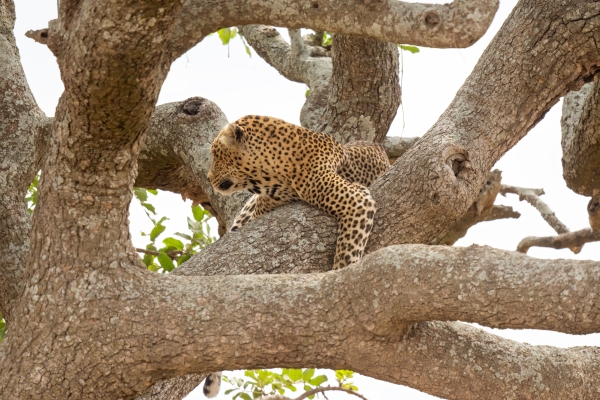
(363, 162)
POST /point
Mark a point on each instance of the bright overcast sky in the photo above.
(241, 85)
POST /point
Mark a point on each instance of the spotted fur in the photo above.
(280, 163)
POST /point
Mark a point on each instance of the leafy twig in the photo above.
(173, 255)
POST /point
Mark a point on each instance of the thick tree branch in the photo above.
(581, 139)
(396, 146)
(21, 125)
(414, 283)
(364, 92)
(80, 236)
(459, 24)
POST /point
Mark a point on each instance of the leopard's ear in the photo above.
(232, 134)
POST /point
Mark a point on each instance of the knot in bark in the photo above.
(192, 106)
(459, 163)
(432, 19)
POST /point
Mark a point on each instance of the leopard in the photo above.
(280, 163)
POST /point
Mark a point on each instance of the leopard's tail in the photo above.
(212, 384)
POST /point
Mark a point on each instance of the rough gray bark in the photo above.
(364, 92)
(21, 122)
(173, 389)
(483, 209)
(581, 140)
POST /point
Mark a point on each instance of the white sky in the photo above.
(241, 85)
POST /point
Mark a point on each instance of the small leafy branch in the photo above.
(174, 252)
(31, 195)
(226, 34)
(262, 383)
(412, 49)
(2, 327)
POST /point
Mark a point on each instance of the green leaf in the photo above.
(154, 267)
(198, 213)
(172, 242)
(165, 262)
(295, 374)
(307, 374)
(229, 391)
(326, 39)
(226, 34)
(157, 230)
(140, 193)
(318, 380)
(183, 235)
(152, 191)
(412, 49)
(307, 93)
(245, 396)
(148, 259)
(248, 50)
(2, 328)
(183, 258)
(149, 207)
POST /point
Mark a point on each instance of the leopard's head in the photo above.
(228, 153)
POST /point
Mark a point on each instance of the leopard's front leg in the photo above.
(256, 206)
(354, 208)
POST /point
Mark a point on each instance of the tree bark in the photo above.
(365, 90)
(458, 24)
(580, 140)
(21, 125)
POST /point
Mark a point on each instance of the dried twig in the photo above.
(569, 240)
(532, 196)
(306, 395)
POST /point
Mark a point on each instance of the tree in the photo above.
(87, 320)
